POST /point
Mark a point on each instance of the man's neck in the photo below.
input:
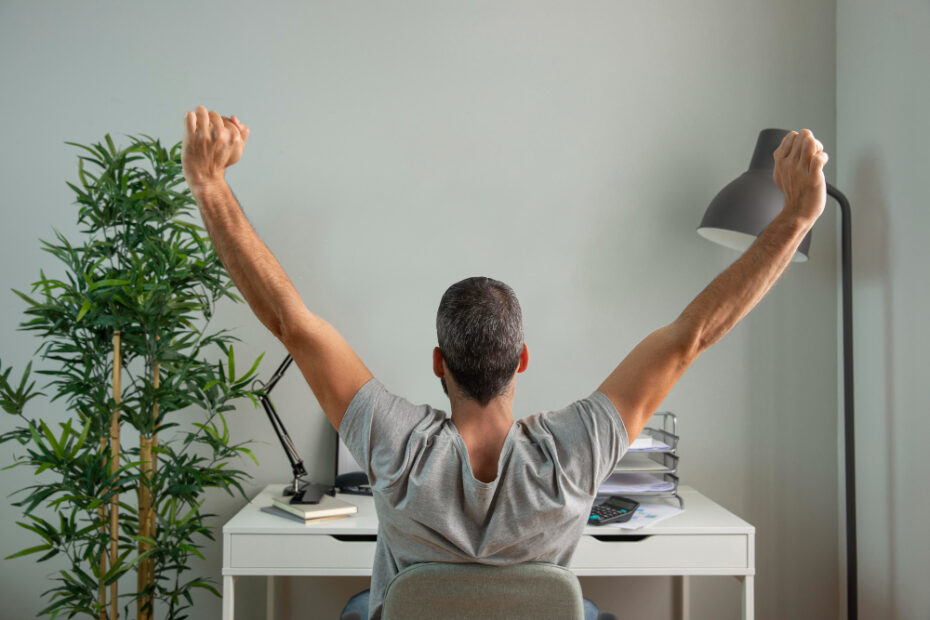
(495, 418)
(483, 429)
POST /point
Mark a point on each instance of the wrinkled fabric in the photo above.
(432, 509)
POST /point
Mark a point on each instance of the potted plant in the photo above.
(125, 341)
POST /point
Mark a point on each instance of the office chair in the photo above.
(447, 591)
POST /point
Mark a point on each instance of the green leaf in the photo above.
(50, 436)
(89, 150)
(107, 282)
(84, 308)
(29, 300)
(232, 364)
(35, 549)
(82, 438)
(249, 453)
(38, 530)
(206, 586)
(253, 369)
(145, 539)
(191, 549)
(35, 436)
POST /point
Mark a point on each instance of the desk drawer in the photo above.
(299, 551)
(685, 551)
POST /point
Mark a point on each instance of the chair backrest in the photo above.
(534, 590)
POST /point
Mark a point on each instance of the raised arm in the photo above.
(333, 370)
(642, 380)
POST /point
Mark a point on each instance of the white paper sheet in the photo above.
(621, 483)
(648, 514)
(646, 442)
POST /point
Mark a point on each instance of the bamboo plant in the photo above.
(125, 341)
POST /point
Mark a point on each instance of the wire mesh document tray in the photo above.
(662, 438)
(650, 463)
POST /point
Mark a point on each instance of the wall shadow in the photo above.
(874, 374)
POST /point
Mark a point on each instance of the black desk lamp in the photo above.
(303, 492)
(735, 217)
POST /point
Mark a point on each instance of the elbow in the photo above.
(277, 324)
(289, 332)
(277, 330)
(292, 328)
(692, 339)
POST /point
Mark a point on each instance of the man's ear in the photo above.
(438, 367)
(524, 359)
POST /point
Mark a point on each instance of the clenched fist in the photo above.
(799, 162)
(211, 144)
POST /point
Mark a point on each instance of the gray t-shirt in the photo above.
(432, 509)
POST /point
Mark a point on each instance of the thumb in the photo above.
(243, 128)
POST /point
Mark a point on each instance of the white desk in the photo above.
(706, 539)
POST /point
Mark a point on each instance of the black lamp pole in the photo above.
(852, 601)
(303, 492)
(735, 217)
(297, 464)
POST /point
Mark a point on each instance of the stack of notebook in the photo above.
(328, 507)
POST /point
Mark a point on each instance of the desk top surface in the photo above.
(701, 516)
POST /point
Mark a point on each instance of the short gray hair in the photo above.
(479, 325)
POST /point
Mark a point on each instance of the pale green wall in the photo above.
(567, 148)
(883, 100)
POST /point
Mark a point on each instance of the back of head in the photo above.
(480, 330)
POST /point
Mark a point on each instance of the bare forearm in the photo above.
(732, 294)
(251, 265)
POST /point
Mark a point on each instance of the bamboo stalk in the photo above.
(101, 511)
(149, 458)
(114, 466)
(153, 530)
(145, 455)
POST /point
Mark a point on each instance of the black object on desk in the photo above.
(614, 509)
(309, 493)
(354, 483)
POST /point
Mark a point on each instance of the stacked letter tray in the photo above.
(650, 466)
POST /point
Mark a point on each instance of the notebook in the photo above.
(328, 506)
(274, 510)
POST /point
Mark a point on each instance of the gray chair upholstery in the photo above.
(533, 590)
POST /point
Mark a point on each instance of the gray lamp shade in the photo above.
(742, 209)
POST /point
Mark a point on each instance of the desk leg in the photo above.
(749, 596)
(229, 597)
(269, 597)
(681, 597)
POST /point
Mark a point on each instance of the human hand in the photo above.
(799, 162)
(211, 144)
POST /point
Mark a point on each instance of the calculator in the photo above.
(614, 509)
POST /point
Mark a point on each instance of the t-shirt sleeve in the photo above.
(589, 439)
(376, 429)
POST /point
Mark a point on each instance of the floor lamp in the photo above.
(735, 217)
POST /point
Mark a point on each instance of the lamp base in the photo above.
(307, 492)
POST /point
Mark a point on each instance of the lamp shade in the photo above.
(742, 209)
